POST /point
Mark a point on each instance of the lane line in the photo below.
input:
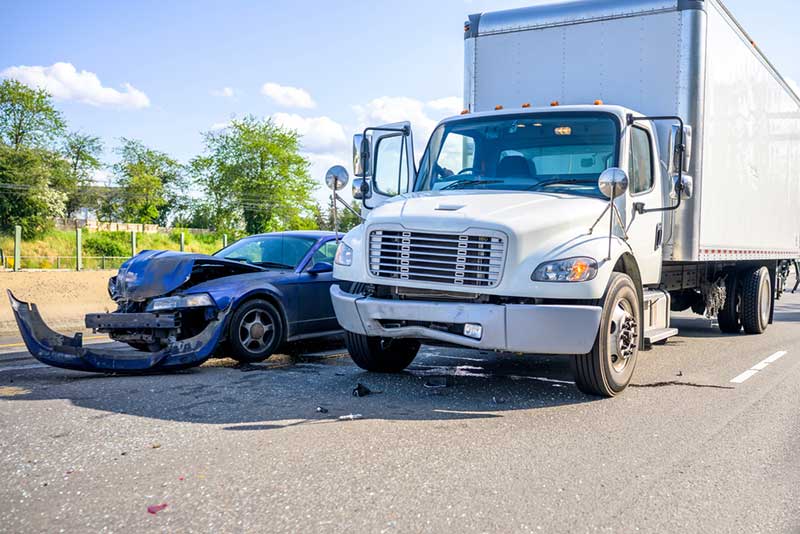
(760, 366)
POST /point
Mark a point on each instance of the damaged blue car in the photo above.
(175, 310)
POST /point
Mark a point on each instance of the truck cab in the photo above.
(507, 235)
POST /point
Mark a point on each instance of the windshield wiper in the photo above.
(560, 181)
(273, 264)
(469, 181)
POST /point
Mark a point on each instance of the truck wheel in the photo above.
(608, 368)
(255, 332)
(381, 355)
(756, 300)
(728, 317)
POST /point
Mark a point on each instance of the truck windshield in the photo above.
(552, 152)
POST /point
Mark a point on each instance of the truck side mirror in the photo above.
(361, 189)
(613, 182)
(361, 155)
(673, 149)
(336, 178)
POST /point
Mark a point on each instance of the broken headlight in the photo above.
(177, 302)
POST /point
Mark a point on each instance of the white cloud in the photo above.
(226, 92)
(423, 115)
(449, 104)
(287, 96)
(320, 135)
(220, 126)
(65, 82)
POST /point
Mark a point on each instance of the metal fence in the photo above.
(90, 263)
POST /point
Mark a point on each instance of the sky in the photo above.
(163, 72)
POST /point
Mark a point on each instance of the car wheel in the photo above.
(255, 331)
(607, 370)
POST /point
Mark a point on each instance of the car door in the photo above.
(313, 292)
(645, 230)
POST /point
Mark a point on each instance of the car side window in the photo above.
(325, 253)
(641, 161)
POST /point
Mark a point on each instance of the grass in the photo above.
(62, 243)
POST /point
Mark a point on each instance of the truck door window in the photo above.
(641, 161)
(391, 166)
(456, 157)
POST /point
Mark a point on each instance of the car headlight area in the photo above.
(177, 302)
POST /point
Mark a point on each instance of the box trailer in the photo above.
(615, 161)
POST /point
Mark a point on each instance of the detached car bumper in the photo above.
(533, 329)
(59, 350)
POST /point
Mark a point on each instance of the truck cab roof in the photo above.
(620, 111)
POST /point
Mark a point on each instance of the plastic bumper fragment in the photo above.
(58, 350)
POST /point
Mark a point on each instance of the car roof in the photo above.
(314, 234)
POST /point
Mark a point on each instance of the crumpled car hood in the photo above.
(153, 273)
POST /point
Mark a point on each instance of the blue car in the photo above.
(176, 309)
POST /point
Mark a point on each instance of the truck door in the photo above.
(645, 230)
(391, 163)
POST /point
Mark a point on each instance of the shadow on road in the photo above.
(442, 384)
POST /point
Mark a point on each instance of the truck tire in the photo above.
(756, 300)
(607, 370)
(376, 354)
(729, 319)
(381, 355)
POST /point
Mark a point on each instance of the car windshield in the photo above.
(553, 152)
(274, 251)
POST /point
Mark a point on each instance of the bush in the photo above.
(108, 244)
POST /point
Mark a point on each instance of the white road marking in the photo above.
(23, 367)
(759, 367)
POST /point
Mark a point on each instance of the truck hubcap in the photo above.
(764, 299)
(623, 335)
(256, 331)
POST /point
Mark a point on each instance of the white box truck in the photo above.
(616, 160)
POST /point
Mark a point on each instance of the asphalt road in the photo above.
(461, 442)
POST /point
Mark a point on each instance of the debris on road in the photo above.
(361, 390)
(351, 417)
(436, 382)
(155, 446)
(320, 409)
(155, 508)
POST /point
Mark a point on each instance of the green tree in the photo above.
(82, 152)
(153, 186)
(347, 220)
(254, 178)
(26, 196)
(27, 116)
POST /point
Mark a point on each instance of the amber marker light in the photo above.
(498, 107)
(526, 105)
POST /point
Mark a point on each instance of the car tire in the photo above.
(756, 300)
(255, 331)
(607, 370)
(729, 318)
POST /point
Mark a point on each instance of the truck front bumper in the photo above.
(533, 329)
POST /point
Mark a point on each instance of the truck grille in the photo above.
(474, 260)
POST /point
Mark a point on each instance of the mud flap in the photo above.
(58, 350)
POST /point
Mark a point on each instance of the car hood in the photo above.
(503, 210)
(153, 273)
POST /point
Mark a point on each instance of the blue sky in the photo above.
(331, 66)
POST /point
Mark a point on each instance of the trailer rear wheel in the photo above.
(729, 317)
(607, 370)
(756, 300)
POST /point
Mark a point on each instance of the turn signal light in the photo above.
(464, 112)
(498, 107)
(598, 102)
(554, 103)
(526, 105)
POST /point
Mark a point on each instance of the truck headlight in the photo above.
(569, 270)
(176, 302)
(344, 255)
